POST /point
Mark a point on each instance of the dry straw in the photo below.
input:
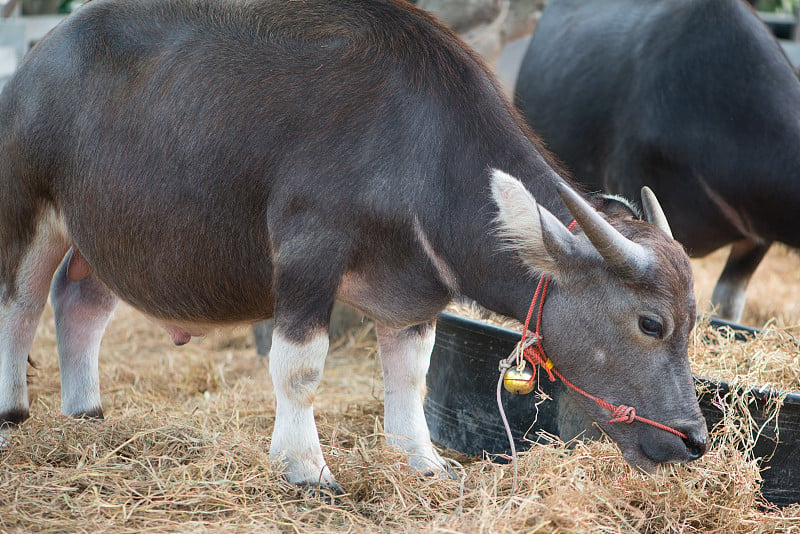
(184, 448)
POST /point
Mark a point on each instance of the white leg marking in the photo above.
(17, 328)
(296, 372)
(82, 310)
(20, 315)
(405, 356)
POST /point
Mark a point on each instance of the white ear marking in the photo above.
(525, 225)
(518, 215)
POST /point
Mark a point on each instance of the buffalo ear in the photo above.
(540, 239)
(615, 207)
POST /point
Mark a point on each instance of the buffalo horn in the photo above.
(653, 212)
(626, 258)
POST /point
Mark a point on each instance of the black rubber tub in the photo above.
(462, 411)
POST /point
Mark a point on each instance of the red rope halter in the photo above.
(534, 353)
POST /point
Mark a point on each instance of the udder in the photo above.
(179, 334)
(79, 268)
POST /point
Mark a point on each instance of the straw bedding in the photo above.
(184, 446)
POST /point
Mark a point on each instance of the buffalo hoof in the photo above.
(430, 464)
(95, 414)
(10, 420)
(446, 472)
(326, 493)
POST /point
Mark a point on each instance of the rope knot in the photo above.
(623, 414)
(536, 356)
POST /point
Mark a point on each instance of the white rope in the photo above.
(504, 366)
(516, 358)
(461, 483)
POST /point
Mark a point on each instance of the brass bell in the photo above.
(518, 382)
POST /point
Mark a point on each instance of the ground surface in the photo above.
(184, 448)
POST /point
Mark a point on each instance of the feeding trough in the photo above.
(462, 412)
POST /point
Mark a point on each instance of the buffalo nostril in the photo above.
(696, 447)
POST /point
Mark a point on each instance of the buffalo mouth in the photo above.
(642, 445)
(637, 457)
(649, 448)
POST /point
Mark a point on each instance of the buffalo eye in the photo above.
(652, 327)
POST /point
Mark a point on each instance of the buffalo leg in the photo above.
(28, 267)
(296, 370)
(262, 333)
(729, 294)
(303, 298)
(307, 271)
(405, 356)
(82, 309)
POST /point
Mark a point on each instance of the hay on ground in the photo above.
(184, 448)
